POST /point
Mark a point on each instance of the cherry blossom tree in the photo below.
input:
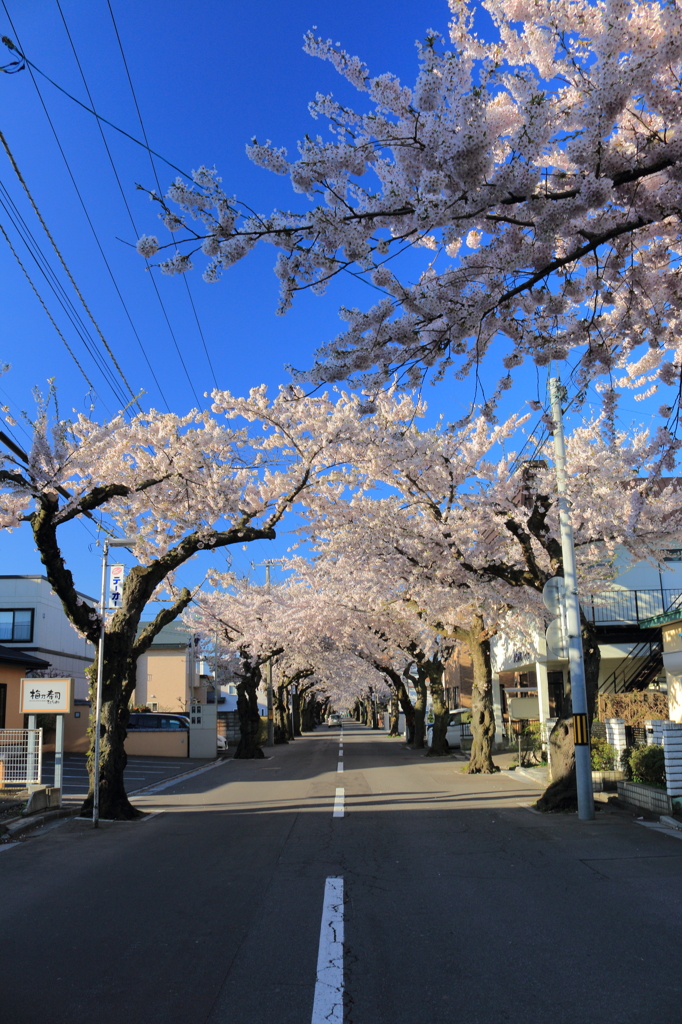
(179, 485)
(539, 171)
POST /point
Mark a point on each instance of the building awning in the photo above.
(11, 656)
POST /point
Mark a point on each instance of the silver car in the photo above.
(458, 725)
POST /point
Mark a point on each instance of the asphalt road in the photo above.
(415, 895)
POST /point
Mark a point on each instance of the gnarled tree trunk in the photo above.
(418, 742)
(247, 709)
(482, 710)
(562, 793)
(439, 744)
(119, 684)
(394, 716)
(281, 715)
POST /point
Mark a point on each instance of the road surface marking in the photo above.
(328, 1003)
(338, 804)
(339, 767)
(176, 779)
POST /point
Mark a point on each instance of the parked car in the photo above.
(458, 725)
(333, 719)
(156, 720)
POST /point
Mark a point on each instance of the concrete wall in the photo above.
(156, 743)
(54, 638)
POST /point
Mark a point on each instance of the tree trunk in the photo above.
(247, 709)
(296, 714)
(418, 742)
(118, 686)
(280, 715)
(308, 713)
(394, 716)
(562, 793)
(439, 744)
(482, 712)
(408, 710)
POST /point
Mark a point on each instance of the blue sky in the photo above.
(207, 79)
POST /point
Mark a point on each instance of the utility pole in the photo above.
(581, 725)
(271, 721)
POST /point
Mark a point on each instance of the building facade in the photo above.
(32, 620)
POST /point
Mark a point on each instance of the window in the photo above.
(672, 555)
(16, 624)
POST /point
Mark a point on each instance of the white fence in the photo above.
(21, 756)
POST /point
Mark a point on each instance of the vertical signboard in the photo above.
(116, 575)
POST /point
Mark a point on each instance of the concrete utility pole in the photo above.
(581, 725)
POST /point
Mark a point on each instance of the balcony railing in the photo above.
(630, 607)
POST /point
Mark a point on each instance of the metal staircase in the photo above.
(633, 674)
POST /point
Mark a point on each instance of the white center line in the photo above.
(328, 1003)
(339, 767)
(338, 804)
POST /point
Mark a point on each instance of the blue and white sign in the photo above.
(116, 577)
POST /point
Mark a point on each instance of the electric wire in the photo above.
(51, 318)
(158, 183)
(88, 218)
(127, 206)
(53, 282)
(70, 276)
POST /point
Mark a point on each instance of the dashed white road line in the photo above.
(338, 803)
(339, 767)
(328, 1003)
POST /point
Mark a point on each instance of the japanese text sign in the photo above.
(116, 574)
(46, 696)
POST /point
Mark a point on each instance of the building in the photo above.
(15, 665)
(32, 620)
(630, 641)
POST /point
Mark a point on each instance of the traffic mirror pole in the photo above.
(581, 730)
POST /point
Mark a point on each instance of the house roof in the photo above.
(11, 656)
(174, 635)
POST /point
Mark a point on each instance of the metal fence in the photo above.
(626, 607)
(21, 756)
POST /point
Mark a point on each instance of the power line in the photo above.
(52, 321)
(91, 225)
(10, 45)
(64, 264)
(58, 290)
(156, 176)
(127, 206)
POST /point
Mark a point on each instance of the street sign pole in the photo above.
(581, 731)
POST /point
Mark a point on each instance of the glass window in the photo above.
(6, 625)
(16, 624)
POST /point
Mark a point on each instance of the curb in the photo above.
(24, 824)
(165, 783)
(665, 819)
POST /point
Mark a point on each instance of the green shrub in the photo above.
(647, 764)
(603, 755)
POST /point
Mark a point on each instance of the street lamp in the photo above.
(113, 542)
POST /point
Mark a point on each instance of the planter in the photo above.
(649, 798)
(603, 781)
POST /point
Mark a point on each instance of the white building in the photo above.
(631, 655)
(32, 619)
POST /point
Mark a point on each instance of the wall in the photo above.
(11, 674)
(162, 679)
(54, 638)
(157, 743)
